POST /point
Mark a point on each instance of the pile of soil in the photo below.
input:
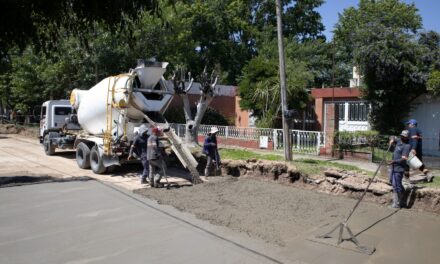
(31, 132)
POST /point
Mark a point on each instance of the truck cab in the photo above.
(55, 116)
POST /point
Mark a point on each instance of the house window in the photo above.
(341, 111)
(358, 111)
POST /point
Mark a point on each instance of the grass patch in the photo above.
(312, 166)
(307, 166)
(435, 181)
(239, 154)
(378, 155)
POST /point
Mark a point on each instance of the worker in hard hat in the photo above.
(211, 151)
(139, 147)
(398, 167)
(155, 159)
(415, 141)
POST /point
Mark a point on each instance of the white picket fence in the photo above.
(307, 142)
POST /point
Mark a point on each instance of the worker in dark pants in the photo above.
(398, 167)
(155, 159)
(139, 146)
(211, 151)
(415, 141)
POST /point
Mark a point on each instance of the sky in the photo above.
(428, 9)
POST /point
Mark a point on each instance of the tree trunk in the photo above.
(192, 126)
(207, 88)
(189, 122)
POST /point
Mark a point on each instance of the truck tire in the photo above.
(83, 156)
(49, 149)
(112, 169)
(96, 161)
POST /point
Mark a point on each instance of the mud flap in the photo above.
(108, 160)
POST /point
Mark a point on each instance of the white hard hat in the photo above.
(405, 133)
(213, 130)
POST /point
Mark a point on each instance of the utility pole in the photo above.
(286, 135)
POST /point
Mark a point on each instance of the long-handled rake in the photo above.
(344, 224)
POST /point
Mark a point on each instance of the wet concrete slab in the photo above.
(398, 236)
(87, 222)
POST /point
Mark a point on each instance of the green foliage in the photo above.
(350, 140)
(301, 21)
(305, 166)
(435, 182)
(54, 48)
(380, 37)
(37, 22)
(433, 84)
(214, 117)
(259, 87)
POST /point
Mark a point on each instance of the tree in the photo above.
(76, 43)
(259, 88)
(37, 22)
(433, 84)
(34, 76)
(207, 93)
(430, 41)
(300, 19)
(381, 38)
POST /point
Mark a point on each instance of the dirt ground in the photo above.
(270, 211)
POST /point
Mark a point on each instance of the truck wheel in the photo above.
(96, 161)
(83, 156)
(49, 149)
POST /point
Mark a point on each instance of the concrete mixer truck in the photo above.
(100, 123)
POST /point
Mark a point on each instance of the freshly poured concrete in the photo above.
(87, 222)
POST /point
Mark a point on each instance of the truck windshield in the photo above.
(63, 110)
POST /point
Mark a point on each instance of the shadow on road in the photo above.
(131, 169)
(10, 181)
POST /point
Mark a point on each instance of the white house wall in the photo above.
(426, 110)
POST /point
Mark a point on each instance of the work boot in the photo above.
(143, 181)
(402, 202)
(158, 184)
(429, 177)
(396, 201)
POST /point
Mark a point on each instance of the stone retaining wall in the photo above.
(333, 181)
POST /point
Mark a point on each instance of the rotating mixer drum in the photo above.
(140, 91)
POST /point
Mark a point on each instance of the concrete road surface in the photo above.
(88, 222)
